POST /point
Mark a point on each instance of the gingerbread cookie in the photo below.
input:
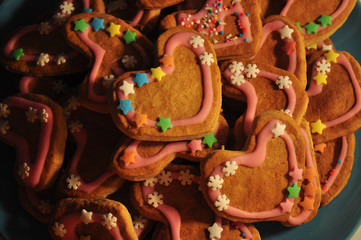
(40, 49)
(35, 126)
(333, 111)
(139, 160)
(232, 26)
(318, 19)
(326, 45)
(88, 174)
(113, 46)
(98, 218)
(335, 160)
(282, 46)
(174, 199)
(264, 181)
(150, 105)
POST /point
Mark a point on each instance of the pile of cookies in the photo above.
(180, 120)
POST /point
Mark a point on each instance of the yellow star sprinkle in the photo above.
(113, 29)
(320, 78)
(331, 56)
(314, 46)
(317, 127)
(157, 73)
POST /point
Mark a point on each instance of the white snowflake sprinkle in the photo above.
(165, 178)
(4, 126)
(287, 111)
(155, 199)
(73, 182)
(23, 170)
(222, 202)
(58, 229)
(139, 222)
(4, 110)
(196, 41)
(67, 8)
(230, 168)
(116, 5)
(60, 59)
(279, 130)
(31, 114)
(283, 82)
(236, 67)
(44, 28)
(251, 70)
(86, 217)
(237, 80)
(323, 67)
(185, 177)
(206, 58)
(73, 103)
(109, 221)
(129, 61)
(45, 206)
(59, 19)
(215, 182)
(150, 182)
(58, 86)
(107, 80)
(43, 116)
(75, 126)
(42, 59)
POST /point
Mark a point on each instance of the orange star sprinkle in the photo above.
(309, 190)
(320, 147)
(128, 158)
(167, 60)
(140, 119)
(310, 174)
(307, 204)
(289, 48)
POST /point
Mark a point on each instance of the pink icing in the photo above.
(248, 89)
(332, 178)
(179, 39)
(22, 145)
(317, 89)
(182, 18)
(137, 18)
(299, 219)
(81, 140)
(276, 26)
(71, 220)
(254, 160)
(24, 83)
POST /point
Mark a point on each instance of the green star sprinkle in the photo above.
(209, 140)
(164, 123)
(80, 25)
(293, 191)
(324, 20)
(17, 53)
(311, 27)
(129, 37)
(298, 25)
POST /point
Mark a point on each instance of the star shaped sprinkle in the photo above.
(97, 23)
(140, 79)
(296, 174)
(113, 29)
(125, 106)
(326, 47)
(86, 216)
(167, 60)
(293, 190)
(127, 88)
(286, 32)
(320, 78)
(87, 10)
(317, 127)
(164, 123)
(331, 56)
(129, 37)
(313, 46)
(209, 140)
(278, 130)
(311, 27)
(310, 190)
(215, 231)
(290, 47)
(320, 147)
(307, 204)
(157, 73)
(286, 206)
(128, 157)
(80, 25)
(324, 20)
(195, 145)
(17, 53)
(310, 174)
(140, 119)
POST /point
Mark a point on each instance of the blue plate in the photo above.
(338, 220)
